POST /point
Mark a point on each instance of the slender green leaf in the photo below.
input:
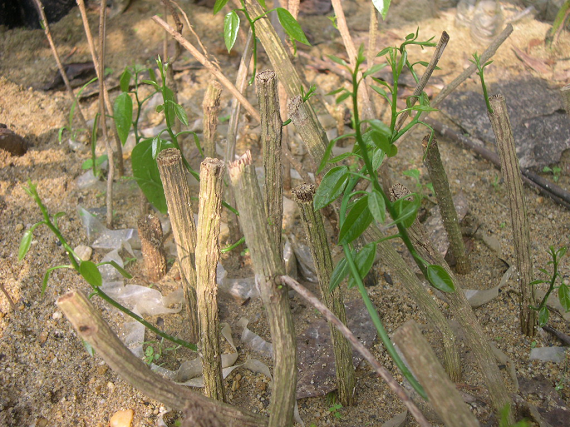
(231, 28)
(180, 113)
(339, 273)
(169, 111)
(101, 159)
(374, 69)
(334, 92)
(87, 164)
(123, 115)
(377, 206)
(378, 158)
(91, 273)
(331, 186)
(543, 316)
(291, 26)
(262, 3)
(341, 157)
(152, 83)
(422, 108)
(439, 278)
(564, 297)
(125, 80)
(152, 75)
(145, 171)
(342, 97)
(328, 151)
(117, 267)
(382, 6)
(338, 60)
(357, 220)
(364, 261)
(25, 244)
(406, 210)
(219, 5)
(47, 275)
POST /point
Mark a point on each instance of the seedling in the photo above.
(94, 162)
(86, 269)
(420, 188)
(477, 61)
(555, 171)
(555, 276)
(69, 126)
(334, 410)
(152, 355)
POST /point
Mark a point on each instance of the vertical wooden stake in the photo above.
(150, 233)
(177, 192)
(268, 266)
(445, 201)
(442, 394)
(271, 126)
(207, 257)
(521, 234)
(211, 108)
(319, 246)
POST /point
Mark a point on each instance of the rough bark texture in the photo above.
(150, 233)
(463, 313)
(177, 192)
(207, 257)
(440, 184)
(211, 109)
(268, 265)
(271, 131)
(319, 246)
(91, 327)
(521, 234)
(398, 267)
(442, 394)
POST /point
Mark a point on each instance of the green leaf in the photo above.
(219, 5)
(564, 297)
(381, 92)
(378, 158)
(91, 273)
(169, 103)
(338, 60)
(364, 261)
(343, 96)
(374, 69)
(87, 164)
(291, 26)
(151, 75)
(152, 83)
(25, 244)
(101, 159)
(328, 151)
(439, 278)
(543, 315)
(145, 171)
(357, 220)
(381, 127)
(386, 49)
(180, 113)
(47, 275)
(117, 267)
(334, 92)
(262, 3)
(382, 6)
(231, 28)
(339, 273)
(331, 186)
(377, 206)
(125, 80)
(406, 210)
(410, 36)
(341, 157)
(123, 115)
(423, 108)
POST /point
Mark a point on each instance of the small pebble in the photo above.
(110, 386)
(19, 227)
(42, 338)
(83, 252)
(540, 200)
(57, 315)
(122, 418)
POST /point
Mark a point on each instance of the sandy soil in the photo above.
(46, 376)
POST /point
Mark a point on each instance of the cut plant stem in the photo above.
(463, 313)
(150, 234)
(177, 192)
(103, 117)
(268, 265)
(521, 235)
(440, 184)
(207, 257)
(444, 397)
(271, 132)
(394, 262)
(101, 77)
(91, 327)
(319, 246)
(379, 369)
(45, 25)
(211, 109)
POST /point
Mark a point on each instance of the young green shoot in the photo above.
(477, 61)
(86, 269)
